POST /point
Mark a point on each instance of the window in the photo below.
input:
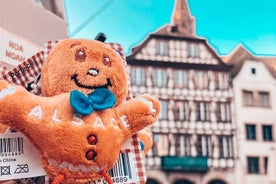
(204, 145)
(193, 51)
(267, 133)
(265, 164)
(159, 78)
(217, 181)
(180, 79)
(253, 165)
(162, 48)
(221, 80)
(183, 181)
(202, 111)
(138, 76)
(151, 181)
(248, 98)
(39, 2)
(182, 145)
(226, 147)
(200, 80)
(160, 145)
(253, 71)
(263, 99)
(181, 110)
(250, 132)
(256, 98)
(223, 112)
(164, 110)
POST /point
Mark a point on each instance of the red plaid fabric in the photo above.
(139, 164)
(28, 74)
(3, 70)
(28, 71)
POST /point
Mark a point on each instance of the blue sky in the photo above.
(224, 23)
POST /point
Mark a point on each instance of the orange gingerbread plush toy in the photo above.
(78, 132)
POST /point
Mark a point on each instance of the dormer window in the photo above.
(162, 48)
(174, 29)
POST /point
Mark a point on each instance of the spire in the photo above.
(182, 21)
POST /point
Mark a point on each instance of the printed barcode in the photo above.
(122, 167)
(121, 172)
(11, 146)
(35, 180)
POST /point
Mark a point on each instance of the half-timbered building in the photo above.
(194, 138)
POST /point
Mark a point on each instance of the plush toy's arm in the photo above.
(15, 104)
(20, 108)
(140, 112)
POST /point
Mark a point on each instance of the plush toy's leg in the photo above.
(106, 176)
(59, 179)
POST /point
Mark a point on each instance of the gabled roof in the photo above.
(168, 31)
(181, 28)
(241, 54)
(182, 25)
(162, 34)
(270, 63)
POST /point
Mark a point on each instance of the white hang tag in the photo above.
(18, 157)
(125, 171)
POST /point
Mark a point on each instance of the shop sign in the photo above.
(15, 49)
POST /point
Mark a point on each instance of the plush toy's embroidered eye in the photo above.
(106, 60)
(80, 55)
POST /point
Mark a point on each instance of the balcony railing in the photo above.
(174, 163)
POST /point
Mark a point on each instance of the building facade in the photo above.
(25, 25)
(254, 86)
(194, 139)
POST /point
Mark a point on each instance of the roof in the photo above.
(270, 62)
(182, 28)
(164, 32)
(241, 54)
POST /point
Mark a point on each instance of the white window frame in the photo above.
(205, 144)
(183, 145)
(160, 77)
(226, 147)
(203, 111)
(193, 50)
(182, 109)
(162, 48)
(138, 76)
(224, 111)
(264, 99)
(180, 79)
(164, 110)
(160, 145)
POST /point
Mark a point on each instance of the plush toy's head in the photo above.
(84, 65)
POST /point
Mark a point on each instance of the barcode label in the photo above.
(122, 167)
(123, 171)
(11, 146)
(19, 159)
(34, 180)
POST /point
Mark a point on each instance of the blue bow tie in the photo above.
(100, 99)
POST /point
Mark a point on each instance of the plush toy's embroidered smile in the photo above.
(75, 79)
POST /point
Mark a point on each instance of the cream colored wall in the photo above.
(262, 81)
